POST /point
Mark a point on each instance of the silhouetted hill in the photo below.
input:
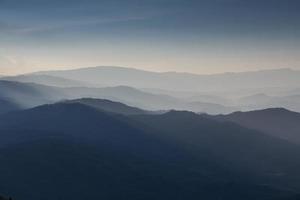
(80, 152)
(230, 144)
(277, 122)
(72, 147)
(262, 101)
(77, 170)
(109, 106)
(72, 118)
(145, 100)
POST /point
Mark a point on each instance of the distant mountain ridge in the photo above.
(278, 122)
(28, 95)
(261, 101)
(212, 94)
(45, 80)
(109, 106)
(113, 76)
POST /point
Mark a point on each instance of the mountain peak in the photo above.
(278, 122)
(267, 110)
(108, 106)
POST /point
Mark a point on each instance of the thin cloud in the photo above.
(29, 29)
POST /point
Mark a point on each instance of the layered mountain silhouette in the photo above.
(28, 95)
(119, 133)
(261, 101)
(114, 76)
(75, 150)
(213, 94)
(45, 80)
(277, 122)
(109, 106)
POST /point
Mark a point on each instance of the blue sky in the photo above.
(200, 36)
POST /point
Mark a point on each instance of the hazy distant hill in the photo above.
(80, 152)
(26, 95)
(255, 100)
(109, 106)
(262, 101)
(128, 95)
(145, 100)
(114, 76)
(30, 94)
(45, 80)
(277, 122)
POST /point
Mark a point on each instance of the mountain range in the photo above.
(214, 94)
(118, 133)
(105, 76)
(80, 149)
(115, 76)
(277, 122)
(44, 80)
(261, 101)
(27, 95)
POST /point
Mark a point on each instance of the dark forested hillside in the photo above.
(277, 122)
(109, 106)
(4, 198)
(74, 151)
(7, 106)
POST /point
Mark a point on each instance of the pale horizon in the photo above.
(203, 36)
(66, 68)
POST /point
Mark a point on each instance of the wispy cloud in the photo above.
(65, 24)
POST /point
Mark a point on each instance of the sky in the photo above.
(198, 36)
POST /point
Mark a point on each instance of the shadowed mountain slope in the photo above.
(233, 146)
(277, 122)
(109, 106)
(7, 106)
(80, 152)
